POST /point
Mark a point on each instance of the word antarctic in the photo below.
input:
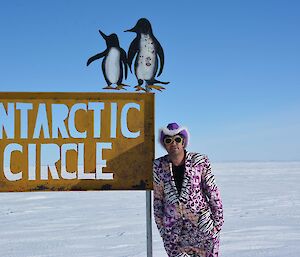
(16, 115)
(59, 113)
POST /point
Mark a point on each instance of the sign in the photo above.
(76, 141)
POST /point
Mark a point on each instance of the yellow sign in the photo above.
(76, 141)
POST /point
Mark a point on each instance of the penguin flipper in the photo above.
(125, 61)
(96, 57)
(152, 81)
(132, 52)
(161, 55)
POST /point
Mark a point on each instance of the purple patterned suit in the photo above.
(191, 221)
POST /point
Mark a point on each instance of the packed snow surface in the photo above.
(261, 209)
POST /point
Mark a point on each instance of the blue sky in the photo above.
(233, 66)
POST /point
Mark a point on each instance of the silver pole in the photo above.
(149, 214)
(149, 223)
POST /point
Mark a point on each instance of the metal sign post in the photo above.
(149, 223)
(149, 216)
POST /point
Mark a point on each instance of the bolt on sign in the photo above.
(76, 141)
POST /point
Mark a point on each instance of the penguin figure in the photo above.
(114, 57)
(147, 49)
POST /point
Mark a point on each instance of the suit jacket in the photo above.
(197, 212)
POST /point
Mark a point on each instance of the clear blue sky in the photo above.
(234, 66)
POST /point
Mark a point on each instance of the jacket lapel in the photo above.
(172, 180)
(186, 184)
(169, 182)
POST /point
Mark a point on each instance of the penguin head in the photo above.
(142, 26)
(111, 40)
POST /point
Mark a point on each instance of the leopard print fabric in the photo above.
(189, 223)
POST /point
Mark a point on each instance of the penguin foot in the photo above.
(159, 88)
(109, 87)
(122, 86)
(139, 88)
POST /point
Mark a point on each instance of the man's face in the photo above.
(174, 145)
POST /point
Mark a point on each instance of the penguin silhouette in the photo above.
(147, 49)
(114, 57)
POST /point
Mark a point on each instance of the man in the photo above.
(187, 205)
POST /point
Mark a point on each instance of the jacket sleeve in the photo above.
(213, 195)
(158, 202)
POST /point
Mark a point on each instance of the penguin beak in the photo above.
(103, 35)
(130, 30)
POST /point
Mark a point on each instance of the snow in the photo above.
(261, 208)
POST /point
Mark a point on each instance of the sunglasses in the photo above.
(170, 140)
